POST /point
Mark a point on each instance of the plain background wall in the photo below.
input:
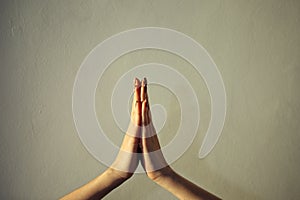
(255, 45)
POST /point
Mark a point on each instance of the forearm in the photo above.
(181, 187)
(97, 188)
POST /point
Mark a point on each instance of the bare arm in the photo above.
(124, 165)
(97, 188)
(140, 137)
(155, 165)
(181, 187)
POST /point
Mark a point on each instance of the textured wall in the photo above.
(255, 44)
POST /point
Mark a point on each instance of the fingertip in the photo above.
(145, 80)
(137, 82)
(137, 89)
(143, 83)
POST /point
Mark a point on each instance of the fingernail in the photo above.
(145, 81)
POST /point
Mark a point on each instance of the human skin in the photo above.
(125, 163)
(140, 138)
(166, 177)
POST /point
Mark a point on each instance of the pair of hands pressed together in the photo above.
(140, 143)
(140, 139)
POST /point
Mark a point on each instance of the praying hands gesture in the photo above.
(140, 139)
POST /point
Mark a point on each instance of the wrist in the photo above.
(160, 174)
(118, 175)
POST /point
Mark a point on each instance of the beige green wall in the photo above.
(255, 45)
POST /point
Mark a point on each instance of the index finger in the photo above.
(144, 95)
(137, 90)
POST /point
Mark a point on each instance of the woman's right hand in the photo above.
(153, 160)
